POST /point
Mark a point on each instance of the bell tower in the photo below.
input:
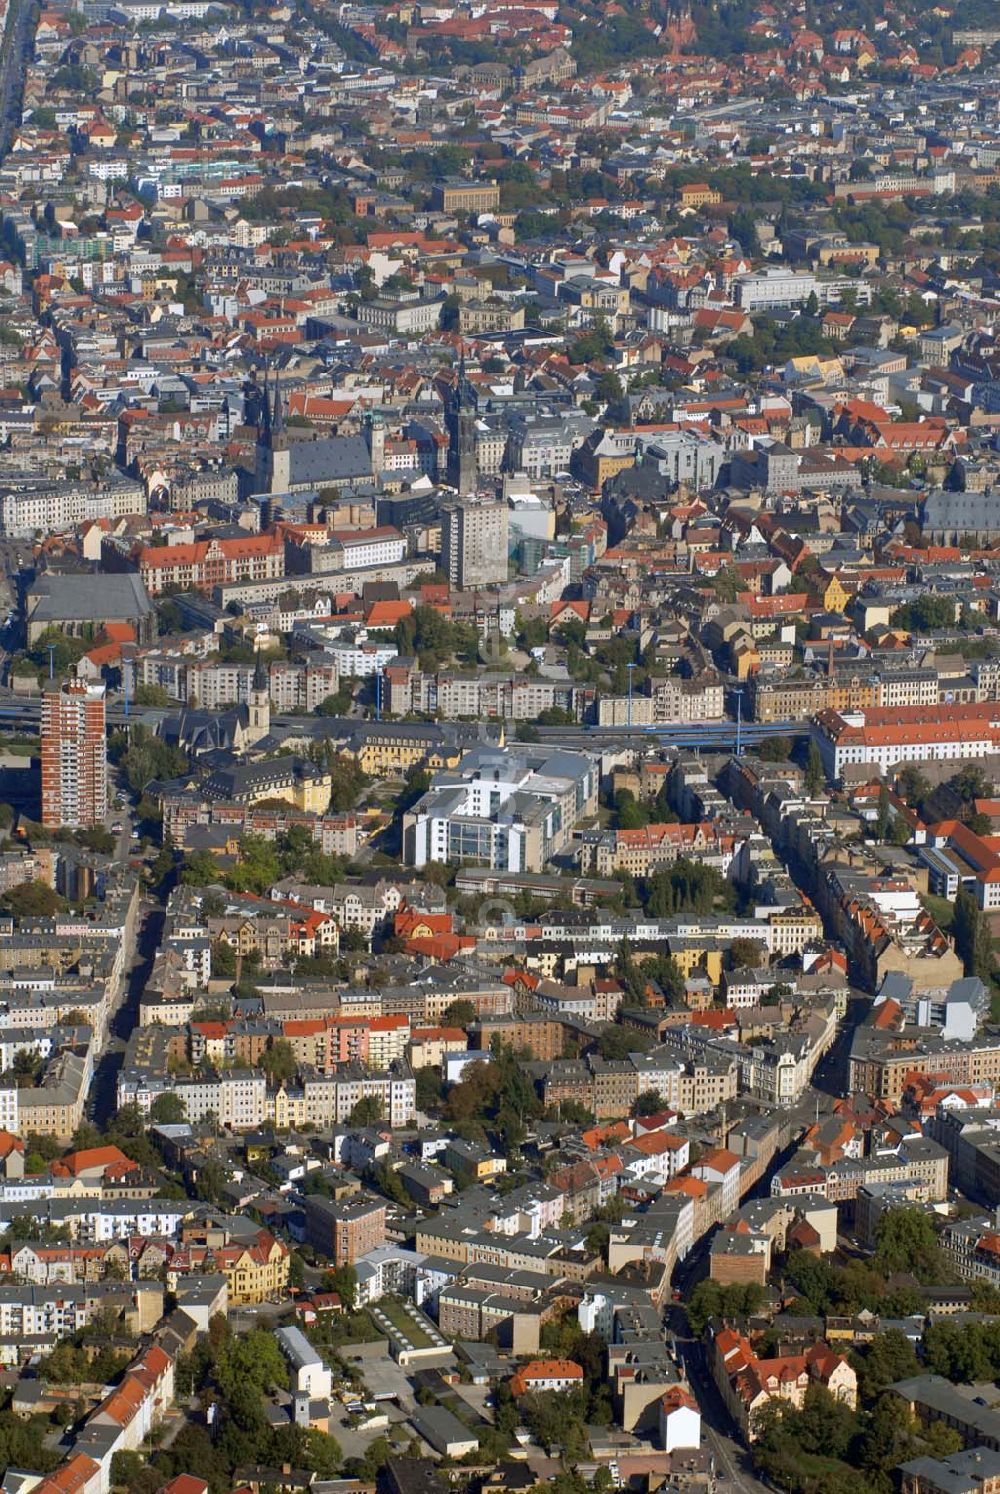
(272, 461)
(463, 470)
(375, 436)
(262, 449)
(259, 705)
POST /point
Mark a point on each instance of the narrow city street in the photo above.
(732, 1460)
(125, 1017)
(15, 49)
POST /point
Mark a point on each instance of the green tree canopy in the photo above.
(905, 1241)
(168, 1109)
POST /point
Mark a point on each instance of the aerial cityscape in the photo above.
(499, 747)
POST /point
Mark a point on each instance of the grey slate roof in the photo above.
(332, 459)
(961, 511)
(110, 596)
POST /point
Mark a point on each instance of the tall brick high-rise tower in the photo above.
(74, 756)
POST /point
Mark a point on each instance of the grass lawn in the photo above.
(940, 909)
(820, 1467)
(337, 1328)
(809, 1466)
(405, 1325)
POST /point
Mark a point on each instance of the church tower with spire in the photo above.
(262, 449)
(463, 470)
(259, 705)
(272, 463)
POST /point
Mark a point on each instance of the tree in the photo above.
(27, 1064)
(617, 1042)
(574, 1113)
(384, 1179)
(347, 782)
(597, 1237)
(891, 1437)
(825, 1425)
(428, 1089)
(323, 1453)
(685, 887)
(882, 817)
(23, 1443)
(151, 695)
(609, 387)
(459, 1013)
(913, 787)
(900, 832)
(888, 1358)
(650, 1102)
(745, 953)
(377, 1455)
(814, 1279)
(367, 1112)
(128, 1470)
(556, 1419)
(941, 1439)
(258, 866)
(929, 613)
(905, 1241)
(775, 750)
(29, 1227)
(279, 1062)
(973, 942)
(744, 229)
(338, 704)
(970, 784)
(223, 959)
(498, 1094)
(815, 777)
(803, 1449)
(710, 1299)
(210, 1181)
(32, 900)
(145, 757)
(45, 1146)
(594, 344)
(628, 972)
(966, 1352)
(168, 1109)
(94, 838)
(344, 1281)
(63, 650)
(200, 869)
(418, 781)
(630, 813)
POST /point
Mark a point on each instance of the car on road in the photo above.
(116, 828)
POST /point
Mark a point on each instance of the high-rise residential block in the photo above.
(474, 544)
(74, 756)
